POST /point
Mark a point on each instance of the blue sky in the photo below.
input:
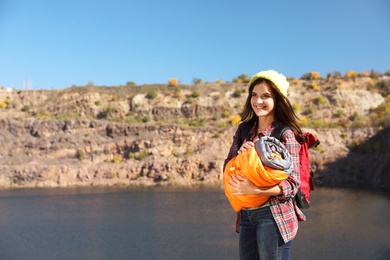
(57, 44)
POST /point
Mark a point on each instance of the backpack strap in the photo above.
(303, 138)
(246, 127)
(279, 131)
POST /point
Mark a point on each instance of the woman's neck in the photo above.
(264, 122)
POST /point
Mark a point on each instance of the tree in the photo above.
(315, 75)
(243, 78)
(197, 81)
(173, 82)
(336, 74)
(130, 84)
(351, 74)
(311, 75)
(374, 74)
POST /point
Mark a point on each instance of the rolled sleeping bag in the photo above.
(266, 164)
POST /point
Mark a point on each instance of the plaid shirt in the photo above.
(285, 212)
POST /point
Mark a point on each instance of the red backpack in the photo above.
(306, 141)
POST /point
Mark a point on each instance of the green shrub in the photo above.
(296, 108)
(380, 116)
(217, 135)
(44, 115)
(26, 108)
(80, 154)
(66, 116)
(8, 103)
(196, 81)
(226, 114)
(317, 123)
(314, 86)
(139, 155)
(142, 155)
(308, 111)
(222, 124)
(340, 113)
(145, 119)
(151, 94)
(130, 84)
(237, 93)
(359, 121)
(131, 155)
(384, 87)
(198, 122)
(177, 92)
(243, 78)
(195, 94)
(320, 100)
(368, 147)
(374, 74)
(216, 117)
(354, 116)
(117, 158)
(138, 118)
(190, 150)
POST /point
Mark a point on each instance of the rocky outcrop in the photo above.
(41, 153)
(83, 152)
(85, 136)
(366, 164)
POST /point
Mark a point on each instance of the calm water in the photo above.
(156, 223)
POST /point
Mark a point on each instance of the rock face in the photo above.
(83, 152)
(364, 165)
(118, 136)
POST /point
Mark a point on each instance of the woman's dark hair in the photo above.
(284, 112)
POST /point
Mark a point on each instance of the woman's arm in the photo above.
(284, 190)
(243, 186)
(289, 186)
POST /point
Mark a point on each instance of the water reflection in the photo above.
(160, 223)
(345, 224)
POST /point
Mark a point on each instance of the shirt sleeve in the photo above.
(290, 185)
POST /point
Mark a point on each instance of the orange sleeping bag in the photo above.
(266, 164)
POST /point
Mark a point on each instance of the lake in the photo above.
(177, 223)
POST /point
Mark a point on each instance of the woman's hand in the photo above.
(246, 146)
(242, 186)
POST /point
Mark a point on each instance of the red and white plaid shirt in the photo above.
(285, 212)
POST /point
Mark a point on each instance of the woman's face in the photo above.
(263, 100)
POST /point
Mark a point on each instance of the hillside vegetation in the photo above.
(180, 134)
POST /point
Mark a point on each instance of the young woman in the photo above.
(267, 231)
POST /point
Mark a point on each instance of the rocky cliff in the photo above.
(175, 135)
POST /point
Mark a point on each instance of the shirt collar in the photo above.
(265, 132)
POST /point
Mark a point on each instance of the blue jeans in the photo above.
(260, 237)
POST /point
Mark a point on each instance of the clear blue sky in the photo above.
(56, 44)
